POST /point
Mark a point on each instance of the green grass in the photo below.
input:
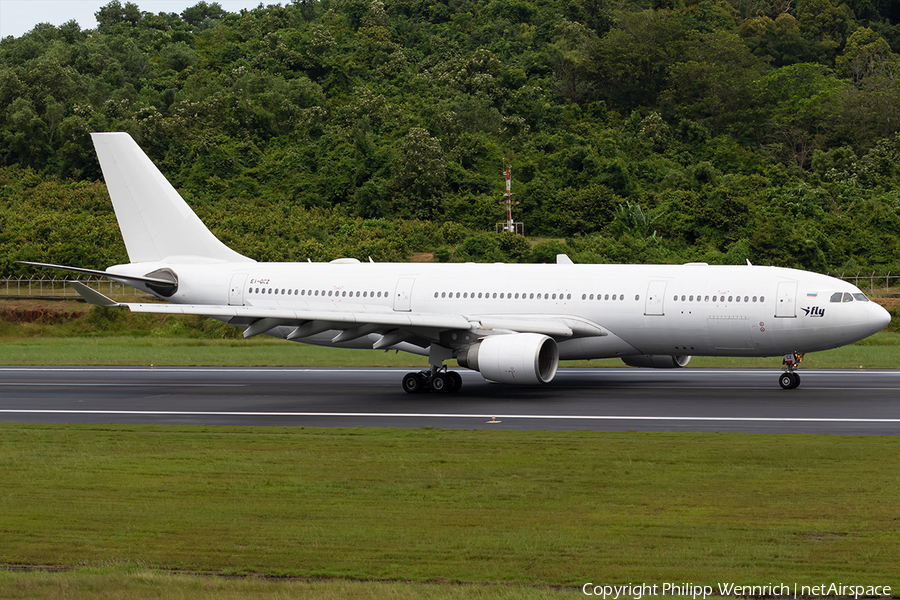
(127, 350)
(523, 508)
(881, 351)
(103, 336)
(132, 582)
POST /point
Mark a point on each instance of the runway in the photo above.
(835, 402)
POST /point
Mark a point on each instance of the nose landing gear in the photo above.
(790, 379)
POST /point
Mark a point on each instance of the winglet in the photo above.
(92, 296)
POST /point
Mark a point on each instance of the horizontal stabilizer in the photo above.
(114, 276)
(92, 296)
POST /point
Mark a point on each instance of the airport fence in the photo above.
(874, 284)
(58, 287)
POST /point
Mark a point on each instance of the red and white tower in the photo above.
(509, 224)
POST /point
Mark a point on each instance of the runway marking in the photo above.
(186, 413)
(124, 383)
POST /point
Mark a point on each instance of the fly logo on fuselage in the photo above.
(815, 311)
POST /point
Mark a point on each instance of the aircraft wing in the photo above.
(308, 322)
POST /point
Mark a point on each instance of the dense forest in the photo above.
(637, 130)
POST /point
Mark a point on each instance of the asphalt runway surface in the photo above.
(836, 402)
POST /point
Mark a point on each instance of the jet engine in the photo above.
(657, 361)
(523, 358)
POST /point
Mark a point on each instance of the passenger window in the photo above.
(495, 295)
(435, 294)
(730, 298)
(754, 298)
(637, 297)
(737, 298)
(706, 299)
(746, 298)
(762, 298)
(568, 296)
(479, 294)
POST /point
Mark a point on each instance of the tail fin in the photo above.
(155, 220)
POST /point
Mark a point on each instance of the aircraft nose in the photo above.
(879, 318)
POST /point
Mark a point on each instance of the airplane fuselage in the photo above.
(692, 309)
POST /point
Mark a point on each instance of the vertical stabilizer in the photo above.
(155, 220)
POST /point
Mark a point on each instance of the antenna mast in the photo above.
(510, 225)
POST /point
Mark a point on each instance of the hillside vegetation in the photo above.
(637, 131)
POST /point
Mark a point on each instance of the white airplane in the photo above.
(510, 322)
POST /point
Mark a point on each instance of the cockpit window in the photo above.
(836, 297)
(848, 297)
(861, 297)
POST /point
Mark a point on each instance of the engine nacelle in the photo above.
(657, 361)
(523, 358)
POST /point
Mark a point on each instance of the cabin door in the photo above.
(403, 294)
(656, 295)
(786, 300)
(236, 290)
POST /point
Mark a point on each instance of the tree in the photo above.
(420, 172)
(114, 13)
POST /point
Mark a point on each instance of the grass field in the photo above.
(34, 332)
(881, 351)
(129, 582)
(522, 508)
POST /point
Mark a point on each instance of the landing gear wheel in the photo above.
(441, 383)
(413, 383)
(455, 380)
(786, 380)
(789, 381)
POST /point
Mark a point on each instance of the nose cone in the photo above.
(878, 317)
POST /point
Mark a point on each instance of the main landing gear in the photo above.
(789, 379)
(438, 380)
